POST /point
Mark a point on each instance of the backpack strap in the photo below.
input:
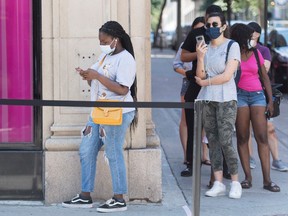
(237, 73)
(228, 48)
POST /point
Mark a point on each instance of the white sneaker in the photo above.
(218, 189)
(236, 190)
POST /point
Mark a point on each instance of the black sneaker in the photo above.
(187, 171)
(78, 202)
(113, 205)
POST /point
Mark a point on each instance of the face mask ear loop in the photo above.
(116, 40)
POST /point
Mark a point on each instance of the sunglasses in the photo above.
(214, 25)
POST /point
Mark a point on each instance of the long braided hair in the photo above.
(114, 29)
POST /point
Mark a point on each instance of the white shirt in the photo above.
(214, 65)
(120, 68)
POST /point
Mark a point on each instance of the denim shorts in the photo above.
(185, 84)
(254, 98)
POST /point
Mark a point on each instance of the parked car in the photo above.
(277, 42)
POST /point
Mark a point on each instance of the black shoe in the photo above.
(113, 205)
(187, 171)
(78, 202)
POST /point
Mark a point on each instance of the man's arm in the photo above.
(187, 56)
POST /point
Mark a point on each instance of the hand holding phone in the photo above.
(78, 69)
(200, 39)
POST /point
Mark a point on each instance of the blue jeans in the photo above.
(185, 84)
(113, 138)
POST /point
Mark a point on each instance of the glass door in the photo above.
(21, 153)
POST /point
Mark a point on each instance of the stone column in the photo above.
(70, 39)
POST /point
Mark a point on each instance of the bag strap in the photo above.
(237, 73)
(101, 62)
(99, 65)
(255, 51)
(228, 48)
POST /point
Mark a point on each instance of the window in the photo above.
(17, 70)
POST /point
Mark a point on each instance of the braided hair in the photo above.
(114, 29)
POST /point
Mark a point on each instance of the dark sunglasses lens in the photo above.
(214, 24)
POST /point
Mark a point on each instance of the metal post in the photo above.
(265, 21)
(196, 179)
(179, 27)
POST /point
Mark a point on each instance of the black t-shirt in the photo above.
(190, 45)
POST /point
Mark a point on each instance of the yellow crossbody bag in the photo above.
(107, 115)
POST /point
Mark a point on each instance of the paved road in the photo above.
(166, 86)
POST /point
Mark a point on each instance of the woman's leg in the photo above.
(205, 149)
(215, 152)
(189, 114)
(226, 117)
(251, 160)
(259, 123)
(243, 133)
(88, 151)
(113, 139)
(183, 131)
(272, 141)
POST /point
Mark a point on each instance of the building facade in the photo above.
(42, 42)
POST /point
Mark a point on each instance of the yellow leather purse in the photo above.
(107, 115)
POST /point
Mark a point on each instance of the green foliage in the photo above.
(156, 6)
(242, 9)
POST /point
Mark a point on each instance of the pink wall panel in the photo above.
(16, 72)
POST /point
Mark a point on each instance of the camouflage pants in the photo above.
(218, 121)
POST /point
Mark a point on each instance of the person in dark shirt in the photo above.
(189, 54)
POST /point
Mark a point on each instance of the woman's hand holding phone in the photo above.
(201, 47)
(81, 72)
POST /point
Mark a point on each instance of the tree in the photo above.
(157, 7)
(155, 12)
(243, 9)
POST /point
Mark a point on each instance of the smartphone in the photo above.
(199, 39)
(267, 113)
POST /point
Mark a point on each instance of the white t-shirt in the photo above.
(214, 65)
(121, 68)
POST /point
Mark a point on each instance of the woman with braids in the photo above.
(252, 106)
(113, 76)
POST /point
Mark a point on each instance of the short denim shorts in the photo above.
(185, 84)
(254, 98)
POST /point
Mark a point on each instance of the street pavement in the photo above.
(177, 190)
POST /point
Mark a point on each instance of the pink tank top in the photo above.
(249, 80)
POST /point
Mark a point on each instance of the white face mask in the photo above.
(107, 48)
(251, 44)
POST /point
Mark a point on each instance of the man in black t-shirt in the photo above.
(189, 54)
